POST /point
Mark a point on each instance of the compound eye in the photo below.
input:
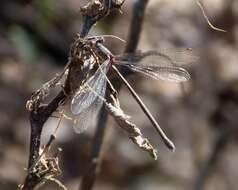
(91, 43)
(102, 40)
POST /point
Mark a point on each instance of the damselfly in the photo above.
(96, 60)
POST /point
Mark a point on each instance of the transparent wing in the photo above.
(172, 74)
(85, 97)
(164, 58)
(159, 65)
(87, 117)
(179, 56)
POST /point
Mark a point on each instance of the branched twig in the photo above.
(97, 10)
(40, 114)
(133, 39)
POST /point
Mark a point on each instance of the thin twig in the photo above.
(225, 122)
(214, 157)
(207, 19)
(89, 178)
(136, 25)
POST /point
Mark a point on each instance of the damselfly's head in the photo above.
(81, 50)
(101, 38)
(93, 40)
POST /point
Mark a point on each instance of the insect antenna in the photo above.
(165, 139)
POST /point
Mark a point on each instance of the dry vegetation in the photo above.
(201, 119)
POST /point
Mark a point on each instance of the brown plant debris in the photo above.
(46, 168)
(130, 128)
(92, 8)
(97, 7)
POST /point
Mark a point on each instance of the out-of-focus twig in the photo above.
(54, 42)
(225, 121)
(136, 25)
(217, 150)
(132, 42)
(89, 178)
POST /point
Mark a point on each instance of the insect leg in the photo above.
(109, 60)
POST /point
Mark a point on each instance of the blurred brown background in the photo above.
(35, 37)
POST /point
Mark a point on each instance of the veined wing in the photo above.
(94, 87)
(87, 117)
(158, 65)
(172, 74)
(178, 56)
(164, 57)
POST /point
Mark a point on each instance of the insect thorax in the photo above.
(82, 64)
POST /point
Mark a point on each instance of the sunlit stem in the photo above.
(165, 139)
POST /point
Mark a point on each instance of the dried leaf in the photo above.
(46, 168)
(133, 131)
(92, 8)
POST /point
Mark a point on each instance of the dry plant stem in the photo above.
(99, 134)
(89, 178)
(40, 116)
(132, 42)
(136, 25)
(37, 120)
(93, 12)
(47, 147)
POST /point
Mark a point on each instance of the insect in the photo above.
(88, 99)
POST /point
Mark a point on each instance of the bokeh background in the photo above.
(35, 37)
